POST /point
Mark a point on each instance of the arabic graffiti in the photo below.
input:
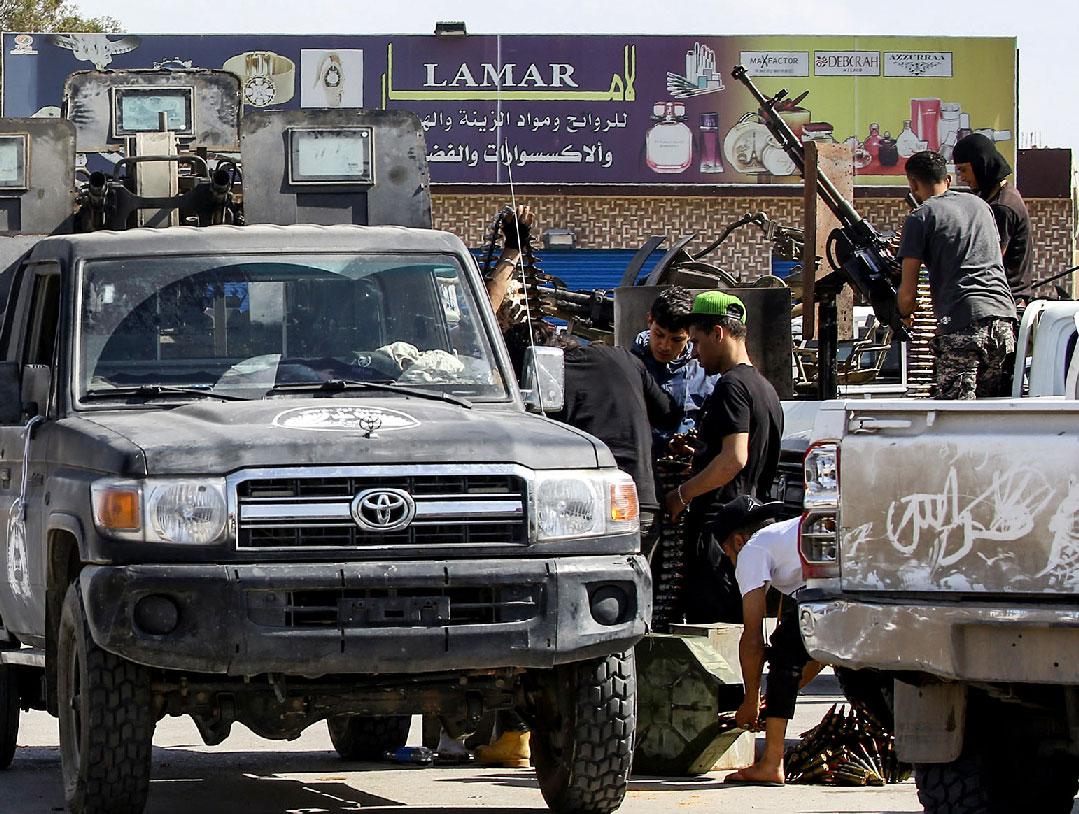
(950, 524)
(18, 568)
(1063, 565)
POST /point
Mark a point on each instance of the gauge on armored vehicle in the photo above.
(139, 109)
(13, 161)
(331, 156)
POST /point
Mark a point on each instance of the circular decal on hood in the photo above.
(344, 419)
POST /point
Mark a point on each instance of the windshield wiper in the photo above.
(157, 390)
(340, 385)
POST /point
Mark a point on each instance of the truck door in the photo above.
(31, 340)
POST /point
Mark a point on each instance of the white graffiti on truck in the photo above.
(950, 524)
(1063, 565)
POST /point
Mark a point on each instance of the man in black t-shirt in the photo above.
(737, 453)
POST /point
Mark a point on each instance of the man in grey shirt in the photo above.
(955, 237)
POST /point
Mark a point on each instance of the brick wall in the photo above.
(625, 222)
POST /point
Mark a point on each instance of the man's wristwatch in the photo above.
(331, 79)
(266, 78)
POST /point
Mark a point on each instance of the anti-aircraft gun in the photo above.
(858, 253)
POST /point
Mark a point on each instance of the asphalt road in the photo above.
(254, 776)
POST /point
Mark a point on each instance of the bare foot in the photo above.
(757, 775)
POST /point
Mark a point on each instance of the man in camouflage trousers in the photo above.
(955, 235)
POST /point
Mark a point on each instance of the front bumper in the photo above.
(401, 617)
(968, 642)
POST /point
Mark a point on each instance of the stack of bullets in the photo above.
(847, 748)
(669, 565)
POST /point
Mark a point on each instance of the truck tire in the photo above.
(106, 720)
(9, 714)
(1049, 784)
(952, 788)
(583, 736)
(359, 737)
(869, 691)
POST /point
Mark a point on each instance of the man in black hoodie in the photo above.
(981, 167)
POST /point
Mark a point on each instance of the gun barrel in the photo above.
(794, 148)
(96, 189)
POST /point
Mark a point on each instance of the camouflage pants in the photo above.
(975, 362)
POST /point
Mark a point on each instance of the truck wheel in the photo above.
(952, 788)
(584, 728)
(9, 714)
(869, 691)
(106, 720)
(1049, 784)
(359, 737)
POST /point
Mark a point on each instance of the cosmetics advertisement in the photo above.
(601, 109)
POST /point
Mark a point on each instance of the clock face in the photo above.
(259, 91)
(333, 77)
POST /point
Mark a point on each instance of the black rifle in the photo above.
(855, 249)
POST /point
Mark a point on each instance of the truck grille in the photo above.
(308, 511)
(398, 607)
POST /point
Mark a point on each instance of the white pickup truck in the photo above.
(941, 545)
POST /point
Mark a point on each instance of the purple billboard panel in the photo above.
(588, 109)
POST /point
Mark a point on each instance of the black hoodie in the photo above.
(990, 170)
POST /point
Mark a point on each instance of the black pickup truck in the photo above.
(284, 474)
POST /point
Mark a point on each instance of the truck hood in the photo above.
(218, 438)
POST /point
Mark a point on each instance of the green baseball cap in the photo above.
(719, 303)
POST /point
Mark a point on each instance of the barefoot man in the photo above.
(765, 553)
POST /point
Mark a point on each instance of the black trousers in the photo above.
(712, 593)
(787, 658)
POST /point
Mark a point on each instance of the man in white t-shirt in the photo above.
(765, 553)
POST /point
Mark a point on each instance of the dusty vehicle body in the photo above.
(279, 474)
(942, 549)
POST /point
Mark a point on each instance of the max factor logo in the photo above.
(769, 60)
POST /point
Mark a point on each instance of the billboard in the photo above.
(599, 109)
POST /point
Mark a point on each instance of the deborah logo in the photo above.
(913, 63)
(344, 419)
(776, 63)
(846, 63)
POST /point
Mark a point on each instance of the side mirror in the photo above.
(544, 382)
(10, 393)
(36, 385)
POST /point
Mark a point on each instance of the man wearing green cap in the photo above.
(737, 450)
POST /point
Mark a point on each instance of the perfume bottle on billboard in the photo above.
(925, 118)
(668, 147)
(709, 129)
(906, 143)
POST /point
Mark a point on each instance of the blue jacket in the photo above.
(684, 379)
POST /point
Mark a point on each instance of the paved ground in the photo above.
(254, 776)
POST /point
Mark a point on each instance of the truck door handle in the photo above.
(865, 425)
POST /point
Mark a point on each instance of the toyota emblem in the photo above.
(383, 509)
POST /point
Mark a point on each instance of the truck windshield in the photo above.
(243, 325)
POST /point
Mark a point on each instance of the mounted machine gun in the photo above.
(857, 253)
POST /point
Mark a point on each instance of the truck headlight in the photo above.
(822, 476)
(183, 511)
(568, 504)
